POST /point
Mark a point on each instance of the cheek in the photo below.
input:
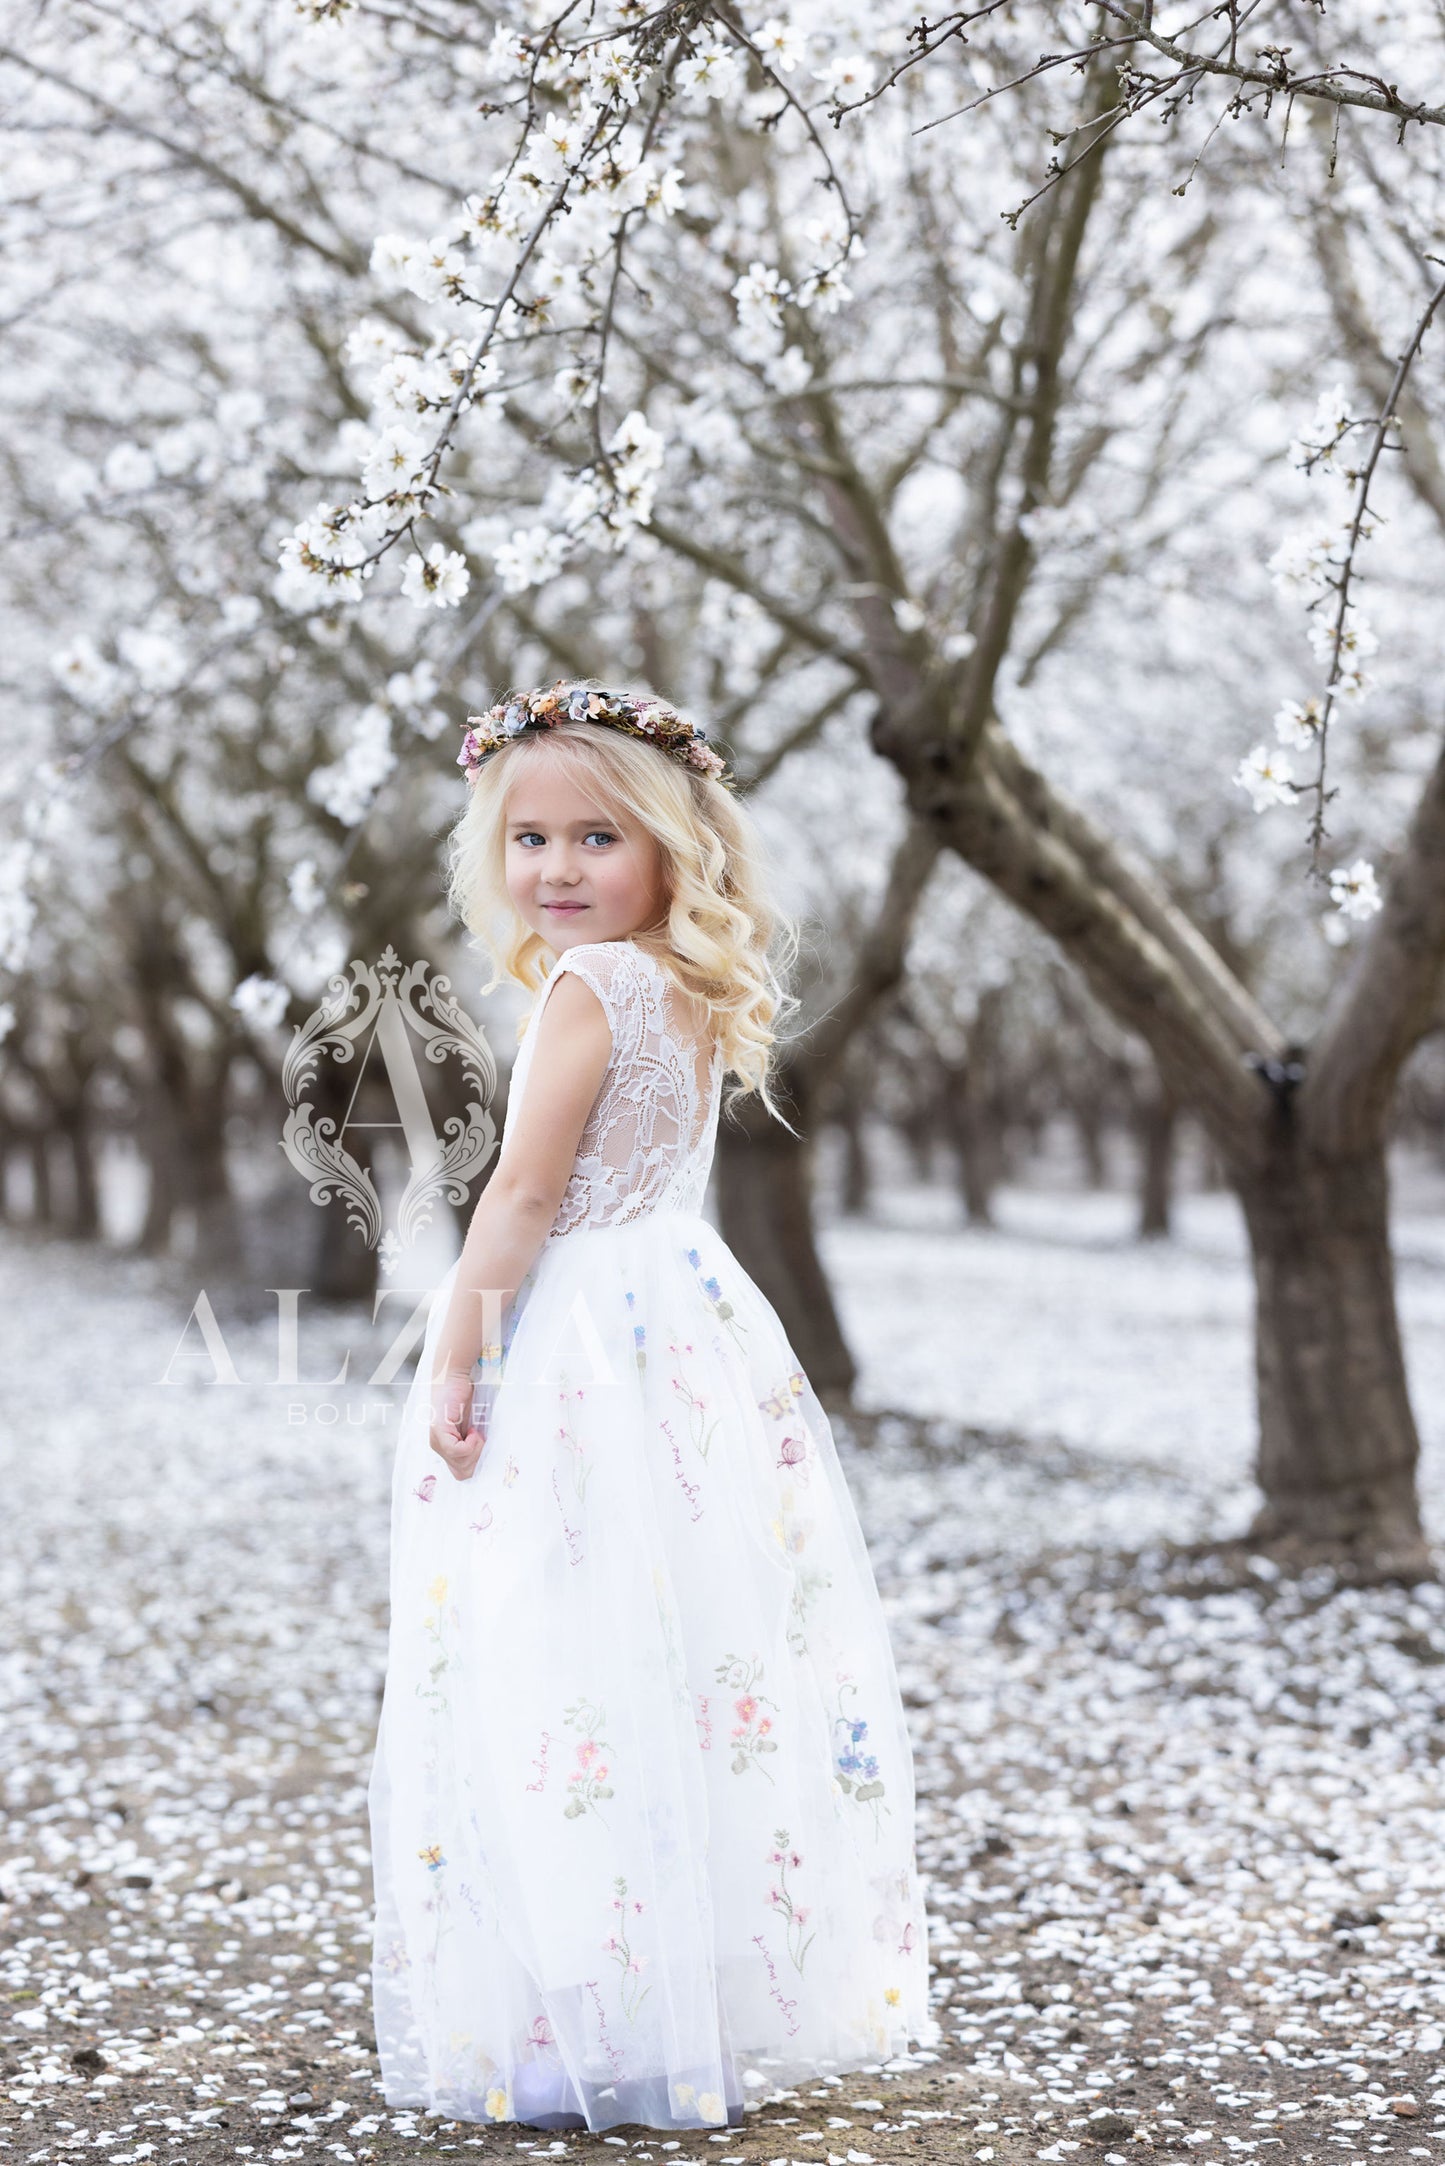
(627, 875)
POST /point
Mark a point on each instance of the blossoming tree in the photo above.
(698, 341)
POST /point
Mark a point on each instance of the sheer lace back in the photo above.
(649, 1138)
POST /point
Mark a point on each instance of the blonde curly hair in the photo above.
(721, 937)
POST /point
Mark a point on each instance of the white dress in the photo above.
(642, 1802)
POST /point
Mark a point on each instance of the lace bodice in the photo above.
(649, 1138)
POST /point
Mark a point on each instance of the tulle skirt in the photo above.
(642, 1802)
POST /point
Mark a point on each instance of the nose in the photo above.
(560, 870)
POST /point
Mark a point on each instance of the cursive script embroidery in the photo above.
(572, 1537)
(540, 1763)
(786, 2007)
(614, 2054)
(689, 1489)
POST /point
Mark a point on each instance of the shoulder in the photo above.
(599, 963)
(603, 962)
(607, 967)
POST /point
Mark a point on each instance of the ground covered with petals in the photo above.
(1182, 1826)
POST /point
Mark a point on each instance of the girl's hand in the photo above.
(453, 1435)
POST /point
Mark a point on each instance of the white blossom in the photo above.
(1266, 776)
(825, 290)
(347, 788)
(637, 441)
(410, 694)
(506, 55)
(85, 673)
(371, 341)
(18, 908)
(439, 579)
(304, 888)
(157, 658)
(665, 195)
(127, 467)
(1305, 560)
(479, 222)
(789, 371)
(780, 45)
(391, 256)
(323, 556)
(413, 383)
(1354, 890)
(847, 76)
(713, 71)
(178, 450)
(577, 387)
(394, 462)
(1321, 438)
(561, 144)
(760, 293)
(240, 413)
(1357, 643)
(435, 273)
(582, 501)
(241, 612)
(1297, 726)
(432, 270)
(559, 290)
(712, 432)
(260, 1001)
(412, 687)
(533, 555)
(613, 75)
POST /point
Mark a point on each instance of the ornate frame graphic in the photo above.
(396, 1004)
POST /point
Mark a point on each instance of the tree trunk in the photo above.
(919, 1129)
(204, 1178)
(154, 1238)
(764, 1190)
(42, 1188)
(765, 1202)
(1337, 1440)
(972, 1101)
(1157, 1121)
(1088, 1115)
(344, 1265)
(857, 1171)
(84, 1186)
(978, 1162)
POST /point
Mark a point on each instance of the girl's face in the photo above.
(575, 872)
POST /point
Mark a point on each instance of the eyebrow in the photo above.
(592, 819)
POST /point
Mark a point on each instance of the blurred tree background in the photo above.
(930, 422)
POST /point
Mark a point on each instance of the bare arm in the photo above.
(518, 1206)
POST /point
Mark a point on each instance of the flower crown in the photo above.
(652, 719)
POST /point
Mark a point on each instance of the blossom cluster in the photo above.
(651, 719)
(1318, 565)
(533, 261)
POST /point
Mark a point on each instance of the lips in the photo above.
(564, 910)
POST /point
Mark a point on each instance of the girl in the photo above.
(642, 1804)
